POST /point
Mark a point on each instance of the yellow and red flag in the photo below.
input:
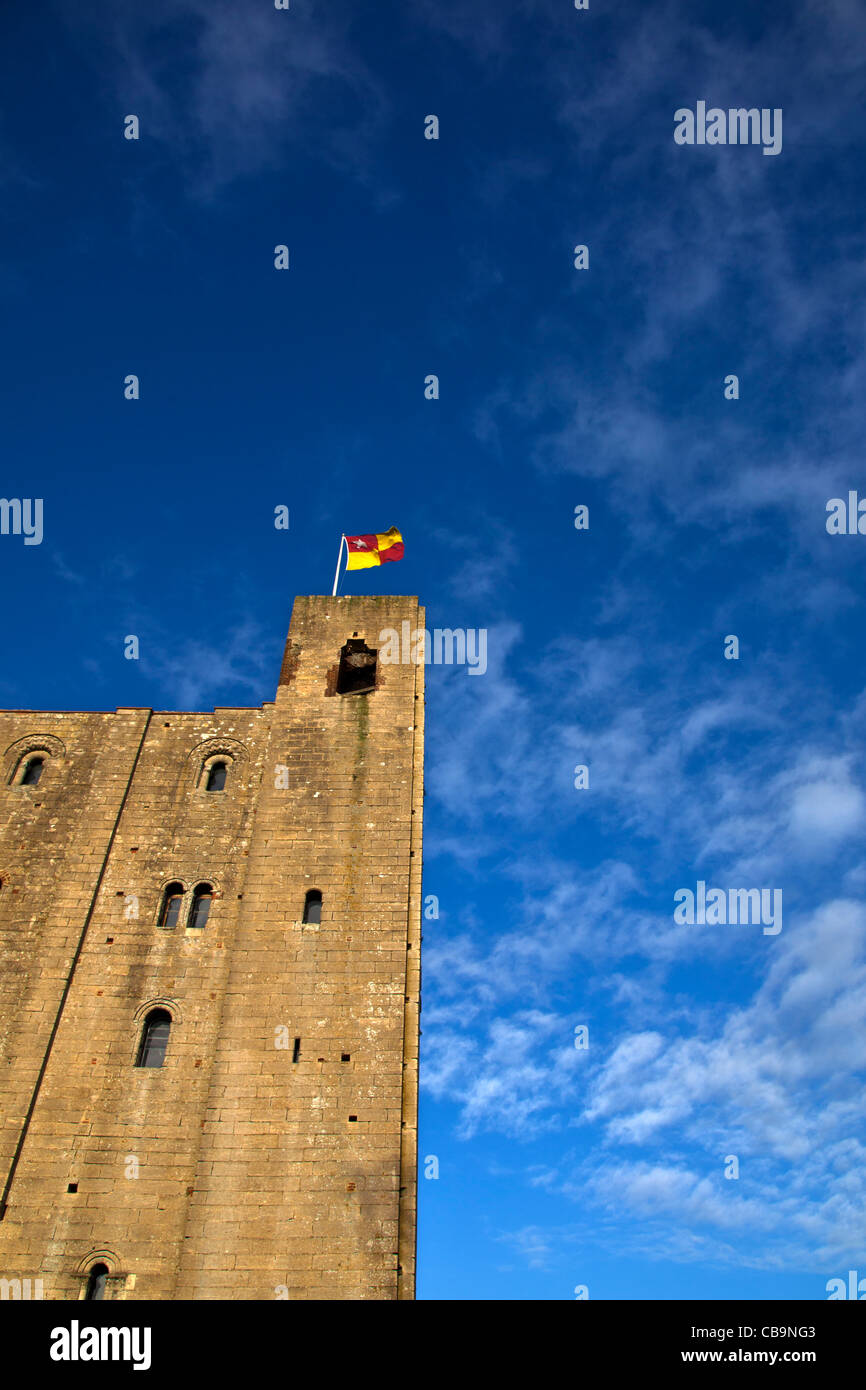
(364, 551)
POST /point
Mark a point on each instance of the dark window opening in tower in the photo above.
(32, 772)
(312, 906)
(96, 1282)
(154, 1038)
(216, 777)
(201, 901)
(357, 672)
(171, 901)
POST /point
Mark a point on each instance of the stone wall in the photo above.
(247, 1166)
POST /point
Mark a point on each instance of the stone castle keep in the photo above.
(210, 935)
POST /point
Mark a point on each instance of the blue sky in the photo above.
(558, 1167)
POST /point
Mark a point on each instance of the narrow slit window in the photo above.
(216, 777)
(296, 1050)
(312, 906)
(171, 904)
(32, 772)
(201, 901)
(357, 671)
(96, 1282)
(154, 1038)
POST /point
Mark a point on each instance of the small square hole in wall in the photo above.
(109, 941)
(72, 1187)
(353, 1117)
(345, 1057)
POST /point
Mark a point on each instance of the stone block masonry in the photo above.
(273, 1154)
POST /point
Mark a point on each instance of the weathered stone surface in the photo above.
(252, 1180)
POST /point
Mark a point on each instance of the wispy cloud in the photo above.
(227, 91)
(194, 674)
(707, 775)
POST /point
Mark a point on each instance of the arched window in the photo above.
(96, 1282)
(313, 906)
(201, 901)
(32, 771)
(154, 1038)
(216, 777)
(170, 910)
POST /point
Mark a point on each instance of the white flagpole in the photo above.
(339, 558)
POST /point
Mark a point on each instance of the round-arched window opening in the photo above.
(33, 769)
(216, 777)
(154, 1038)
(96, 1281)
(201, 901)
(312, 906)
(172, 899)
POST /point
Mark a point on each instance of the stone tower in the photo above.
(209, 984)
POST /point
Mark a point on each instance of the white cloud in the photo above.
(228, 89)
(828, 810)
